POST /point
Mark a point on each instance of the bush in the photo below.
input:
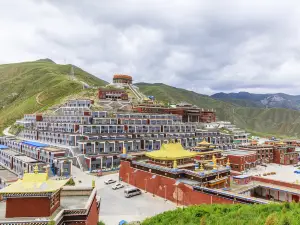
(271, 220)
(71, 182)
(100, 223)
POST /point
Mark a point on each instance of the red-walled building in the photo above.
(285, 155)
(38, 197)
(264, 153)
(188, 112)
(241, 160)
(104, 93)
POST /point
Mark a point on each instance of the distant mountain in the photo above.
(278, 100)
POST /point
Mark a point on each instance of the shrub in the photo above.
(71, 182)
(271, 219)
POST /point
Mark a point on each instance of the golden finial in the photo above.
(175, 164)
(124, 151)
(201, 167)
(215, 162)
(93, 183)
(36, 169)
(228, 162)
(297, 182)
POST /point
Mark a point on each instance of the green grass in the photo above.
(21, 83)
(271, 214)
(267, 122)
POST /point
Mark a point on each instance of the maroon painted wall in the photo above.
(165, 187)
(93, 216)
(27, 207)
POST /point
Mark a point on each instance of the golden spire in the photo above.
(36, 169)
(93, 183)
(228, 162)
(201, 167)
(175, 164)
(215, 162)
(124, 151)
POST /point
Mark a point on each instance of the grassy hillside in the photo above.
(34, 86)
(169, 94)
(272, 214)
(274, 121)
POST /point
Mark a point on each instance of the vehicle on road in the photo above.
(130, 192)
(117, 186)
(110, 181)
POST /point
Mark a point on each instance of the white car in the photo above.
(110, 181)
(117, 186)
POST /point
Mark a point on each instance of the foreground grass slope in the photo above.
(274, 121)
(272, 214)
(34, 86)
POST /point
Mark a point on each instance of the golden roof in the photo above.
(34, 183)
(280, 143)
(204, 142)
(171, 151)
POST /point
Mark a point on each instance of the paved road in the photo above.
(6, 132)
(115, 207)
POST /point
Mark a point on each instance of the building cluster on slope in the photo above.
(101, 135)
(20, 156)
(248, 156)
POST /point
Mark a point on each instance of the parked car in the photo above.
(110, 181)
(130, 192)
(117, 186)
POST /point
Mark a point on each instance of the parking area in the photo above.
(115, 207)
(283, 172)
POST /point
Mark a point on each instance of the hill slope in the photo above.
(273, 121)
(33, 86)
(238, 214)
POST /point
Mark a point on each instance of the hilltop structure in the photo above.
(122, 79)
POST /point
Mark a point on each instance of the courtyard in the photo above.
(283, 172)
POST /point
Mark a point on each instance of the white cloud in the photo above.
(206, 46)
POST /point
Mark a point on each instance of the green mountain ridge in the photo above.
(272, 121)
(29, 87)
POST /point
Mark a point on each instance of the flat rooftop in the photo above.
(238, 152)
(11, 152)
(35, 144)
(26, 159)
(7, 175)
(3, 147)
(73, 202)
(54, 149)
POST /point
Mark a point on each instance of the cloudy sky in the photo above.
(205, 46)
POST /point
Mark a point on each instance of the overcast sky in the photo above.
(205, 46)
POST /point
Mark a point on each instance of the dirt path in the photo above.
(37, 98)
